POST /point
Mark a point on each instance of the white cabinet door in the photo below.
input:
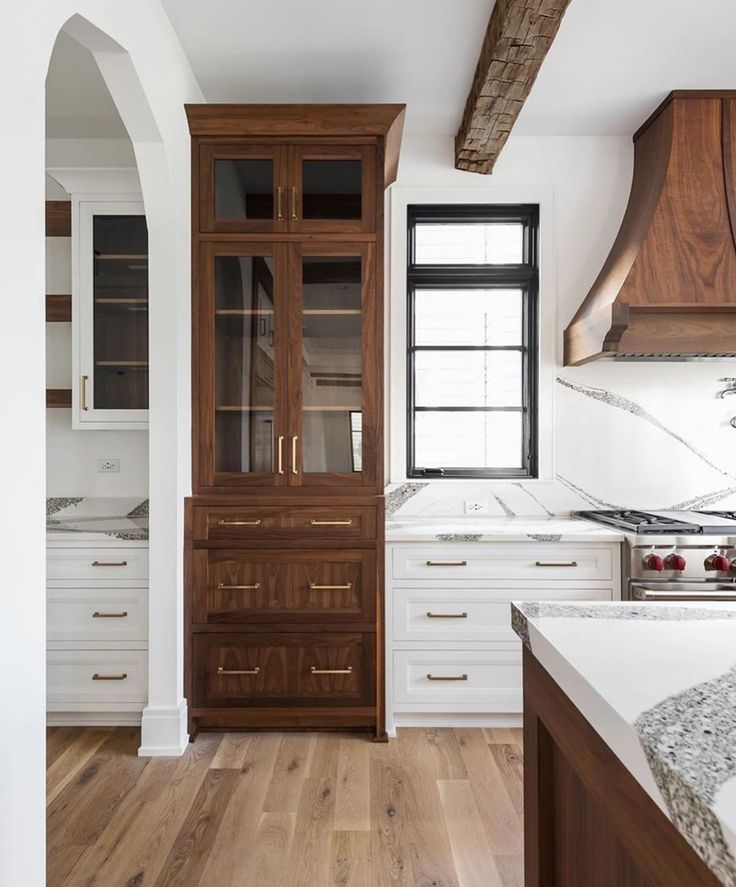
(109, 313)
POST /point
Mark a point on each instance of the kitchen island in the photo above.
(629, 744)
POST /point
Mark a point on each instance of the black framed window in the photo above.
(472, 284)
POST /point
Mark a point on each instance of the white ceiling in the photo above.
(78, 105)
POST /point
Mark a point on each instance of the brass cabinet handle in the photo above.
(279, 207)
(454, 677)
(281, 448)
(294, 196)
(224, 587)
(556, 564)
(447, 615)
(294, 469)
(110, 677)
(345, 587)
(109, 563)
(315, 670)
(85, 405)
(98, 615)
(222, 670)
(331, 523)
(447, 563)
(239, 523)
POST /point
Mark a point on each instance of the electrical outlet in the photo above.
(476, 506)
(108, 466)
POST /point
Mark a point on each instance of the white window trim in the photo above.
(395, 318)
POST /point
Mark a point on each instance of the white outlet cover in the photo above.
(108, 466)
(476, 506)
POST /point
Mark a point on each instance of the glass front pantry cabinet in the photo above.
(284, 541)
(109, 313)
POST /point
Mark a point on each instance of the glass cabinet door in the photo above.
(246, 374)
(243, 188)
(332, 189)
(333, 435)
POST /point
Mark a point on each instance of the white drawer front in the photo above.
(70, 676)
(477, 614)
(97, 614)
(473, 681)
(97, 563)
(493, 561)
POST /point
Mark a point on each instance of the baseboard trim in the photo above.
(93, 719)
(164, 731)
(451, 719)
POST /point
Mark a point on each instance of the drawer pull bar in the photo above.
(239, 523)
(345, 587)
(447, 615)
(556, 564)
(222, 670)
(331, 523)
(109, 563)
(457, 677)
(98, 615)
(447, 563)
(315, 670)
(223, 587)
(110, 677)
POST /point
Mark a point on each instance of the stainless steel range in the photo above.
(675, 556)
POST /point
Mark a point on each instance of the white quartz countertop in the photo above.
(498, 529)
(658, 684)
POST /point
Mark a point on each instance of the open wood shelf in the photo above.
(58, 218)
(58, 308)
(242, 409)
(121, 363)
(120, 300)
(125, 257)
(58, 398)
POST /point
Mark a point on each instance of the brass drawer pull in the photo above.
(331, 523)
(110, 677)
(98, 615)
(447, 615)
(447, 563)
(239, 523)
(345, 587)
(458, 677)
(294, 201)
(315, 670)
(294, 440)
(222, 670)
(556, 564)
(224, 587)
(279, 206)
(281, 436)
(109, 563)
(85, 405)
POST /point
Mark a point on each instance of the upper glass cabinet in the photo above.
(110, 315)
(277, 189)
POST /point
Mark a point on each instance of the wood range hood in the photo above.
(667, 290)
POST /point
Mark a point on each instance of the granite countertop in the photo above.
(494, 529)
(89, 517)
(658, 684)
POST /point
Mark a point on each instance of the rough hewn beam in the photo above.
(519, 35)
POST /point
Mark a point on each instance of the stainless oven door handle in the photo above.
(721, 593)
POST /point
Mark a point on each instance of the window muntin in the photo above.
(472, 351)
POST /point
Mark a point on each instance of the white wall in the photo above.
(636, 434)
(165, 80)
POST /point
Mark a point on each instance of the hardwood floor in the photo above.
(434, 807)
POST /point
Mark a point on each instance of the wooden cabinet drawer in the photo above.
(278, 523)
(509, 561)
(470, 614)
(96, 614)
(449, 680)
(76, 680)
(297, 668)
(270, 586)
(97, 563)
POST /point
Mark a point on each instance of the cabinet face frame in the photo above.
(205, 429)
(209, 153)
(84, 209)
(369, 366)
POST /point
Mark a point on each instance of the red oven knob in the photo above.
(653, 562)
(718, 562)
(675, 562)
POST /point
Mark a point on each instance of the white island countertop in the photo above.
(658, 684)
(498, 529)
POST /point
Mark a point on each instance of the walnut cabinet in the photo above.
(284, 538)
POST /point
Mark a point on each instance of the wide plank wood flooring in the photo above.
(434, 807)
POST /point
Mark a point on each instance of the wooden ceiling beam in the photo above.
(519, 35)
